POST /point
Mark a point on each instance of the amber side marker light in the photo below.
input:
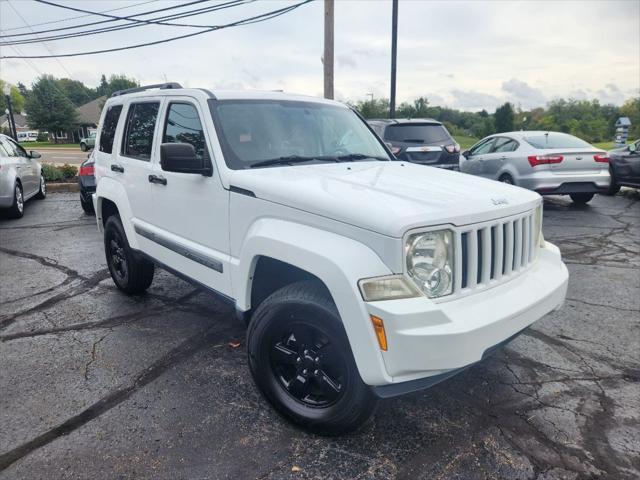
(378, 326)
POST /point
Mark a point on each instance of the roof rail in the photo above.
(161, 86)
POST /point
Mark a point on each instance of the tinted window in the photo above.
(556, 140)
(3, 151)
(483, 147)
(251, 131)
(138, 136)
(418, 133)
(14, 149)
(504, 145)
(183, 126)
(109, 128)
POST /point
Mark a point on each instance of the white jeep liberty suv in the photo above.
(361, 277)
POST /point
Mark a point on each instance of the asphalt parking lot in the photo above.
(94, 384)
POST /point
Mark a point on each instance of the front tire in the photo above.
(506, 178)
(42, 191)
(16, 210)
(131, 273)
(301, 361)
(581, 198)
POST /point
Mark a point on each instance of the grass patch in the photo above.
(465, 142)
(33, 145)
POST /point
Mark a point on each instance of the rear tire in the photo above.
(131, 273)
(506, 178)
(42, 191)
(16, 210)
(581, 198)
(87, 206)
(83, 147)
(301, 361)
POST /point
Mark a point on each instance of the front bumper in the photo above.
(429, 339)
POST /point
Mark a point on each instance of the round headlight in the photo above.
(429, 262)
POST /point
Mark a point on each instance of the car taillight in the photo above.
(601, 157)
(87, 170)
(535, 160)
(452, 148)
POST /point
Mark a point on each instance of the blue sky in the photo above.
(467, 55)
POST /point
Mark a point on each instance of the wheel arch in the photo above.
(337, 262)
(112, 199)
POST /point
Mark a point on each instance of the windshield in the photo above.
(418, 133)
(253, 131)
(556, 140)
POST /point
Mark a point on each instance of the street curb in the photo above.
(62, 187)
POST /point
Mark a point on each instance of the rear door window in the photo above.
(183, 126)
(139, 130)
(109, 128)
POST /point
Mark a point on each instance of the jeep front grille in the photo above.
(494, 251)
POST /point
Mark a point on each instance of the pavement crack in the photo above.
(94, 353)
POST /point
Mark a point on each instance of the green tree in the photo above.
(118, 82)
(377, 108)
(503, 119)
(77, 92)
(17, 99)
(48, 108)
(103, 87)
(631, 109)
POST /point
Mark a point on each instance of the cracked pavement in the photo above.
(95, 384)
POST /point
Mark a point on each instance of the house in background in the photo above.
(18, 118)
(88, 118)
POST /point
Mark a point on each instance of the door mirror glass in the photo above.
(182, 158)
(34, 154)
(632, 148)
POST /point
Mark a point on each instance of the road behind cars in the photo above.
(97, 384)
(72, 156)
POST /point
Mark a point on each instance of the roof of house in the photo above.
(623, 122)
(89, 113)
(18, 118)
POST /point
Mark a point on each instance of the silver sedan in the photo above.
(550, 163)
(20, 177)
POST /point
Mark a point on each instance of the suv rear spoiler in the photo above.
(161, 86)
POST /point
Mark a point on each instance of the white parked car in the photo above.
(20, 177)
(549, 163)
(360, 277)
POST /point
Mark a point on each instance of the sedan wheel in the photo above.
(506, 179)
(17, 207)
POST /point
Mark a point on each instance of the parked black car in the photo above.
(624, 167)
(419, 140)
(87, 182)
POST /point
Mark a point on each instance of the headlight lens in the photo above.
(392, 287)
(430, 262)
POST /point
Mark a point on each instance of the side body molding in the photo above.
(336, 260)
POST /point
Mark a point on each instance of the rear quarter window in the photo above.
(108, 132)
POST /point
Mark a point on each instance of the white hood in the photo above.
(386, 197)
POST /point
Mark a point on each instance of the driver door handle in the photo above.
(157, 179)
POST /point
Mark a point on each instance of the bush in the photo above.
(51, 173)
(43, 137)
(68, 171)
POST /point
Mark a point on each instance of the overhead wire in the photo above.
(247, 21)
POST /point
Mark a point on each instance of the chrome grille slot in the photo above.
(493, 251)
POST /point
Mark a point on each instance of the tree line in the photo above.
(587, 119)
(50, 105)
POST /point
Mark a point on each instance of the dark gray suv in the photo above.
(419, 140)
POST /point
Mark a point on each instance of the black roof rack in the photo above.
(161, 86)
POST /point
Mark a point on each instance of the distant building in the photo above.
(18, 118)
(622, 131)
(88, 118)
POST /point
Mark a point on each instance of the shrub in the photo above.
(68, 171)
(43, 137)
(51, 173)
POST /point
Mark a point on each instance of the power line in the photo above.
(62, 20)
(247, 21)
(139, 23)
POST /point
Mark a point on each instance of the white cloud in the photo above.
(521, 94)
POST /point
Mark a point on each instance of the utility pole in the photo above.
(394, 54)
(328, 49)
(12, 123)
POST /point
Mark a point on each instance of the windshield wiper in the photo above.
(359, 156)
(288, 160)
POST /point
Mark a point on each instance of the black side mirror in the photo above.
(34, 154)
(466, 154)
(181, 158)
